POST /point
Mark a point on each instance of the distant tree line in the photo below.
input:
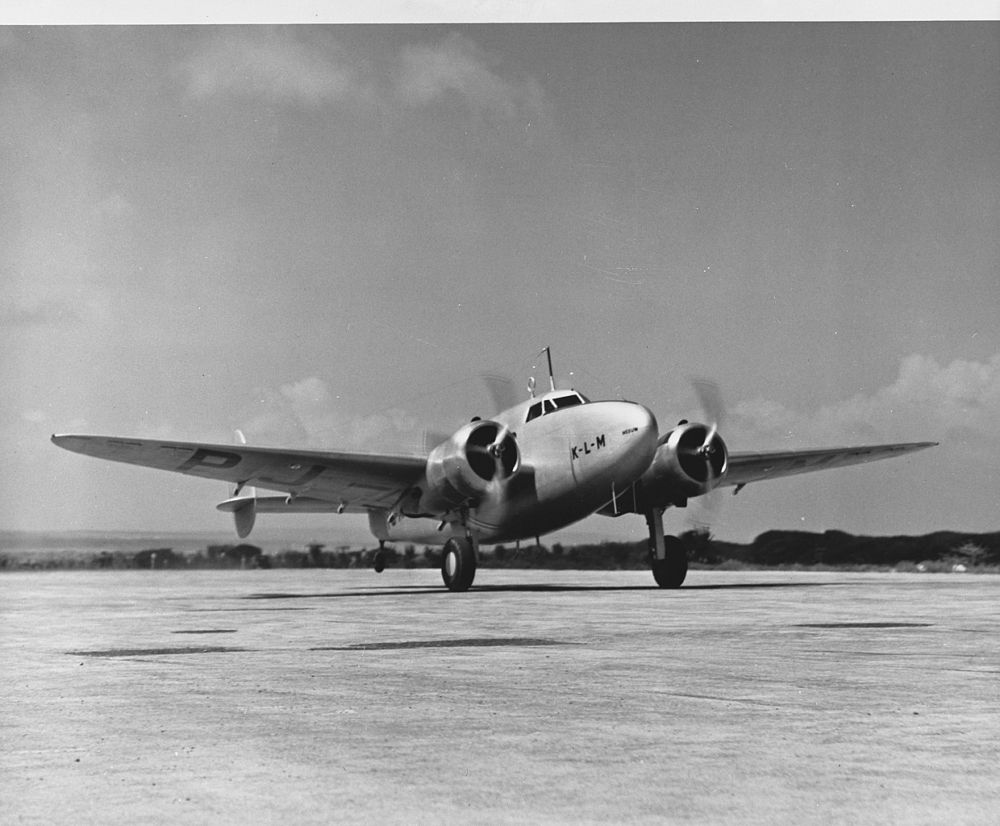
(945, 550)
(838, 549)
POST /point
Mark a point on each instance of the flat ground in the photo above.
(322, 696)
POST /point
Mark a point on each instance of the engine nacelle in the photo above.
(691, 461)
(462, 469)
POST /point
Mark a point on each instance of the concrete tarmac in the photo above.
(330, 696)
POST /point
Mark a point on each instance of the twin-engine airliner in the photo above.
(531, 469)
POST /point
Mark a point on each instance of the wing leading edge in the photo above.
(329, 480)
(355, 480)
(754, 467)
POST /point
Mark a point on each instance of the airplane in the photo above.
(531, 469)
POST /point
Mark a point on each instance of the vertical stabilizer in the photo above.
(245, 514)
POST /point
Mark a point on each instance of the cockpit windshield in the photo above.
(552, 404)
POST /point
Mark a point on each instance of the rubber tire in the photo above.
(458, 564)
(379, 561)
(670, 572)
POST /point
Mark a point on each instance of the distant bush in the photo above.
(157, 558)
(937, 552)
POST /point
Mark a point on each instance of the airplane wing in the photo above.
(354, 480)
(754, 467)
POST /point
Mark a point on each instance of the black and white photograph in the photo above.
(500, 414)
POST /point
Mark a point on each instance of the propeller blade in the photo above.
(497, 445)
(432, 438)
(710, 399)
(706, 446)
(502, 391)
(503, 462)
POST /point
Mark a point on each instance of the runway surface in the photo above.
(322, 696)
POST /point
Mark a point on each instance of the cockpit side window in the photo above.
(534, 411)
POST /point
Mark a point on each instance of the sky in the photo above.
(325, 235)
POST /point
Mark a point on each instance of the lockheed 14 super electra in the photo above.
(531, 469)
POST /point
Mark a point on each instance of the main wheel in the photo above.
(379, 561)
(458, 566)
(671, 571)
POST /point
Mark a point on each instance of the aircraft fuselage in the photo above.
(573, 461)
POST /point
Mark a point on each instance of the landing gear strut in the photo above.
(667, 554)
(458, 565)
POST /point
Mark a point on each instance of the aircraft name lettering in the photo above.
(214, 459)
(223, 460)
(588, 447)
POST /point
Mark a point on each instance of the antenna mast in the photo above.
(548, 356)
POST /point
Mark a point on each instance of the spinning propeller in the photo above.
(710, 453)
(492, 451)
(502, 390)
(503, 394)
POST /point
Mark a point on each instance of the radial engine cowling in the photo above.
(690, 461)
(464, 467)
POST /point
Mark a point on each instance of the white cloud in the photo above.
(277, 66)
(270, 64)
(306, 414)
(456, 66)
(31, 312)
(958, 402)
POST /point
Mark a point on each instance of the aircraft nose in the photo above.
(648, 426)
(644, 432)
